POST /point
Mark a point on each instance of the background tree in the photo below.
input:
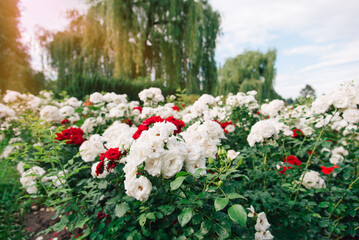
(15, 70)
(251, 70)
(307, 91)
(117, 41)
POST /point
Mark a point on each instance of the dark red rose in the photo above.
(100, 215)
(284, 169)
(297, 133)
(100, 168)
(128, 122)
(64, 121)
(113, 154)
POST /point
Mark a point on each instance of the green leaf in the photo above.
(323, 205)
(235, 195)
(151, 216)
(238, 214)
(182, 173)
(102, 184)
(220, 203)
(142, 219)
(205, 226)
(121, 209)
(185, 216)
(177, 183)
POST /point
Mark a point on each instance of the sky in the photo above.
(317, 42)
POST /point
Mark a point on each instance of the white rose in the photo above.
(312, 179)
(192, 167)
(67, 111)
(153, 166)
(172, 163)
(29, 183)
(88, 125)
(96, 97)
(139, 188)
(321, 104)
(93, 171)
(51, 114)
(340, 150)
(351, 115)
(262, 223)
(230, 128)
(336, 158)
(231, 154)
(91, 148)
(194, 153)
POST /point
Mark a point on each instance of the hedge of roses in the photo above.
(224, 167)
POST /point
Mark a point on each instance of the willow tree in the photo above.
(15, 70)
(251, 70)
(127, 39)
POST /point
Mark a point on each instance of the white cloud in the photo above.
(328, 28)
(313, 49)
(261, 20)
(322, 80)
(343, 54)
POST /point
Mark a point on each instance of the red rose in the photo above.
(284, 169)
(179, 123)
(139, 108)
(100, 215)
(113, 154)
(100, 168)
(64, 121)
(328, 170)
(176, 108)
(128, 122)
(297, 133)
(88, 103)
(102, 156)
(293, 160)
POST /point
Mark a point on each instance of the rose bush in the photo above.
(114, 168)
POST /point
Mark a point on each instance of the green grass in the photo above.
(11, 226)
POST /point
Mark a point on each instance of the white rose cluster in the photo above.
(205, 108)
(92, 148)
(28, 179)
(149, 149)
(338, 154)
(51, 114)
(207, 135)
(164, 154)
(6, 112)
(343, 97)
(151, 96)
(119, 135)
(242, 99)
(273, 108)
(262, 130)
(262, 225)
(13, 96)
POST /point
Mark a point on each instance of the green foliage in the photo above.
(11, 225)
(251, 70)
(126, 39)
